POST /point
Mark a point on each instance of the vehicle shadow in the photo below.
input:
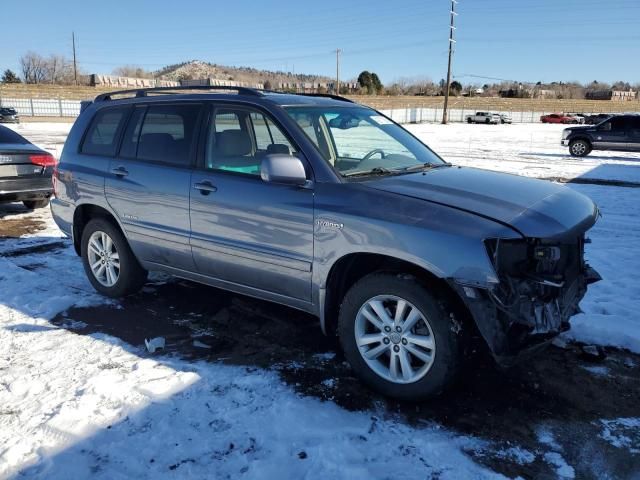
(558, 390)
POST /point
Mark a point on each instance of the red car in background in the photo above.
(558, 118)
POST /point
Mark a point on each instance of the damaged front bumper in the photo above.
(541, 286)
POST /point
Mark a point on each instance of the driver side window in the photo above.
(239, 138)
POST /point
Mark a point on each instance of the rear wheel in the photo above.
(108, 261)
(469, 120)
(579, 148)
(32, 204)
(398, 338)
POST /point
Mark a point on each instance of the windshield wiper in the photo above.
(373, 171)
(424, 166)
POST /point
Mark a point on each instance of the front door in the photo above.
(148, 183)
(253, 235)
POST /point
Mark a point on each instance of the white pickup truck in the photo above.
(484, 117)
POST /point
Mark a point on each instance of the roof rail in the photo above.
(142, 92)
(327, 95)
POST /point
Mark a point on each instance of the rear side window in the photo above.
(166, 135)
(9, 136)
(102, 136)
(618, 123)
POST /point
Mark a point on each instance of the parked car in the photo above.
(9, 115)
(505, 118)
(330, 207)
(578, 116)
(558, 118)
(25, 171)
(621, 132)
(596, 119)
(484, 117)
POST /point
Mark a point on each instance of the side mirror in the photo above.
(285, 169)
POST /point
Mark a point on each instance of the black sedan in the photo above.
(9, 115)
(25, 171)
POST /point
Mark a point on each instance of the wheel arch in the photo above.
(350, 268)
(86, 212)
(581, 137)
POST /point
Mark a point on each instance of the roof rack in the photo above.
(327, 95)
(142, 92)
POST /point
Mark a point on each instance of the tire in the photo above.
(487, 120)
(33, 204)
(431, 376)
(130, 275)
(579, 148)
(469, 120)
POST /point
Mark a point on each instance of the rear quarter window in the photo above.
(103, 133)
(9, 136)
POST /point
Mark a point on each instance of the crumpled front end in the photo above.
(541, 284)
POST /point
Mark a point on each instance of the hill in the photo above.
(197, 69)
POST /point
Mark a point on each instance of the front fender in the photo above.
(445, 241)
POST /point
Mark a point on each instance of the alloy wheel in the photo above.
(103, 258)
(395, 339)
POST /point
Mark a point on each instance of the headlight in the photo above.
(565, 133)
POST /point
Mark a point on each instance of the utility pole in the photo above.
(75, 65)
(451, 42)
(338, 52)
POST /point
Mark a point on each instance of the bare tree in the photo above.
(34, 67)
(133, 71)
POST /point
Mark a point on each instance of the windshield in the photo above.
(359, 141)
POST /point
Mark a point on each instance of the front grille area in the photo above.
(541, 284)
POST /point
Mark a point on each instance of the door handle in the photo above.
(120, 171)
(205, 187)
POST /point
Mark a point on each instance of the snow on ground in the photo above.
(72, 405)
(531, 150)
(78, 405)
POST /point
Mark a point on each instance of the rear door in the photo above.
(633, 134)
(253, 235)
(612, 134)
(148, 183)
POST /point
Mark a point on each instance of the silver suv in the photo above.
(329, 207)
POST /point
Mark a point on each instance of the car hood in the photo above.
(534, 208)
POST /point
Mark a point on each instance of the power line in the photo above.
(451, 42)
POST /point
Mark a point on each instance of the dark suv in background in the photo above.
(329, 207)
(620, 132)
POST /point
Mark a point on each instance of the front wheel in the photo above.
(579, 148)
(398, 338)
(108, 261)
(469, 120)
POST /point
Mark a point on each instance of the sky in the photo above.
(523, 40)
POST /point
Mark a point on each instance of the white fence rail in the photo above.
(37, 107)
